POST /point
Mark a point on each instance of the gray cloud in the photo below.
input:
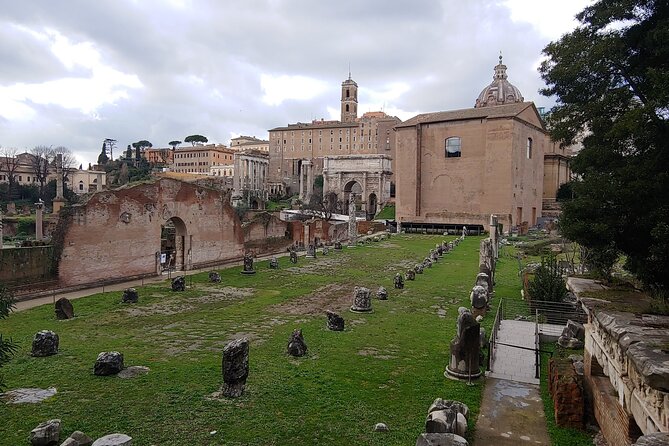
(201, 65)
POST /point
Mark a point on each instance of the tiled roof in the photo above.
(500, 111)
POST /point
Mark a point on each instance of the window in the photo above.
(347, 95)
(529, 148)
(453, 147)
(346, 107)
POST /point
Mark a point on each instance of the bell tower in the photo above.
(349, 100)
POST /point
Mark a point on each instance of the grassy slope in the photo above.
(388, 212)
(333, 396)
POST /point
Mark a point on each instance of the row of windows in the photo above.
(453, 147)
(202, 155)
(348, 131)
(360, 146)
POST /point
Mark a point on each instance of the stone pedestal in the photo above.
(39, 209)
(58, 204)
(235, 367)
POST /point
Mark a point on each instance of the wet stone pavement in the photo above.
(512, 414)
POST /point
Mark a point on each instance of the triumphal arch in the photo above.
(363, 178)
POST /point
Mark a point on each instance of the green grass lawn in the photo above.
(387, 366)
(388, 212)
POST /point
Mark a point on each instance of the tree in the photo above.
(123, 175)
(128, 152)
(174, 144)
(9, 164)
(40, 161)
(102, 157)
(548, 284)
(322, 204)
(140, 146)
(7, 347)
(611, 80)
(196, 139)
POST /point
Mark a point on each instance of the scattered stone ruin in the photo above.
(45, 343)
(235, 367)
(334, 321)
(108, 363)
(214, 277)
(296, 345)
(64, 309)
(179, 283)
(398, 281)
(362, 301)
(130, 296)
(248, 265)
(445, 425)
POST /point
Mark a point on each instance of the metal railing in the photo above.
(493, 335)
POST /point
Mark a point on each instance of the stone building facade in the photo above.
(117, 234)
(198, 159)
(297, 150)
(250, 178)
(249, 143)
(457, 167)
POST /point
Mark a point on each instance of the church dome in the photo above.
(500, 91)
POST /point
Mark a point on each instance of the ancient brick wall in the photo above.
(267, 233)
(22, 265)
(617, 426)
(117, 234)
(566, 389)
(366, 225)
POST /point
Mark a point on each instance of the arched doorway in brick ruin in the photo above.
(352, 188)
(173, 244)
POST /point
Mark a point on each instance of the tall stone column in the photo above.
(0, 228)
(59, 200)
(310, 180)
(494, 236)
(39, 231)
(352, 224)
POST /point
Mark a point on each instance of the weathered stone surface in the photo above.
(130, 296)
(418, 269)
(114, 440)
(81, 438)
(108, 363)
(398, 281)
(235, 367)
(133, 371)
(45, 343)
(70, 442)
(337, 245)
(64, 309)
(442, 404)
(311, 251)
(478, 297)
(447, 420)
(482, 279)
(248, 265)
(570, 343)
(326, 250)
(411, 274)
(214, 277)
(427, 263)
(293, 257)
(574, 330)
(46, 434)
(382, 293)
(656, 439)
(652, 363)
(273, 263)
(27, 395)
(296, 344)
(179, 283)
(440, 439)
(465, 347)
(381, 427)
(361, 299)
(334, 321)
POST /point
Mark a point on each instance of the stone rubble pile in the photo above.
(445, 425)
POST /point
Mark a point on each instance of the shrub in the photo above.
(548, 283)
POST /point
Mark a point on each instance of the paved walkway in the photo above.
(512, 412)
(515, 364)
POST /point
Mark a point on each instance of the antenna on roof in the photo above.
(349, 71)
(500, 57)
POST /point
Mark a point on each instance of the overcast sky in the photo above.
(75, 72)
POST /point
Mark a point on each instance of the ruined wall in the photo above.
(267, 233)
(116, 234)
(22, 265)
(566, 389)
(633, 389)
